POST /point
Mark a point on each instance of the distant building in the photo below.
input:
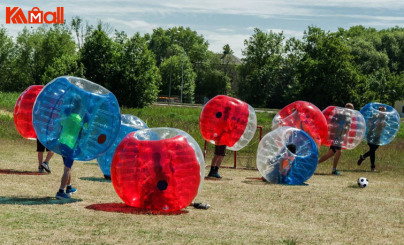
(399, 106)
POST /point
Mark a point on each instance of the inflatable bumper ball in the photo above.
(129, 124)
(305, 116)
(346, 127)
(381, 126)
(158, 169)
(76, 118)
(287, 155)
(23, 111)
(228, 121)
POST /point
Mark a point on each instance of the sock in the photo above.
(334, 169)
(68, 186)
(61, 190)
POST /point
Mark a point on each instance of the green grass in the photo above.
(245, 210)
(8, 100)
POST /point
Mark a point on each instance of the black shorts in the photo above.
(40, 147)
(220, 150)
(335, 148)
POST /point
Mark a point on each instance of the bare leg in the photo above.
(65, 178)
(336, 159)
(326, 156)
(70, 177)
(40, 159)
(48, 156)
(217, 160)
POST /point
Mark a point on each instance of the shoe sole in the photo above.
(68, 193)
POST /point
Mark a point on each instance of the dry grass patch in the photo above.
(245, 210)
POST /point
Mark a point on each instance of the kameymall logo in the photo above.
(35, 16)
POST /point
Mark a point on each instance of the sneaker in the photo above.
(45, 166)
(335, 172)
(361, 158)
(373, 169)
(200, 205)
(40, 169)
(62, 195)
(71, 190)
(214, 175)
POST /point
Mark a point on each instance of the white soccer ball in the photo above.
(362, 182)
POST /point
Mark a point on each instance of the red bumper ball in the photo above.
(155, 172)
(23, 111)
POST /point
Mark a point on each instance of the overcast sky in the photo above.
(223, 21)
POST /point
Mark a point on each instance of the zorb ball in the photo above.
(362, 182)
(228, 121)
(287, 155)
(346, 127)
(23, 111)
(129, 123)
(381, 126)
(76, 118)
(159, 169)
(305, 116)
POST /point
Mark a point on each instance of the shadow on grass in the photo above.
(323, 173)
(255, 181)
(96, 179)
(90, 163)
(216, 179)
(36, 200)
(354, 187)
(262, 181)
(18, 172)
(357, 171)
(123, 208)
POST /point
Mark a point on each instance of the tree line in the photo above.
(356, 65)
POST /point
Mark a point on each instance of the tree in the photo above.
(99, 56)
(6, 56)
(138, 77)
(182, 75)
(194, 45)
(328, 73)
(37, 49)
(260, 73)
(65, 65)
(212, 80)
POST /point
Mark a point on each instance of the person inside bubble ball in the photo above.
(376, 126)
(282, 164)
(341, 125)
(72, 126)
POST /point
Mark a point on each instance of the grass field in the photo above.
(245, 210)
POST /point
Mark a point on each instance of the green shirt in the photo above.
(71, 127)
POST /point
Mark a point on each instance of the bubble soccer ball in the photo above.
(305, 116)
(159, 169)
(129, 123)
(381, 126)
(228, 121)
(76, 118)
(362, 182)
(287, 155)
(23, 111)
(346, 127)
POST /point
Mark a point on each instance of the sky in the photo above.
(222, 22)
